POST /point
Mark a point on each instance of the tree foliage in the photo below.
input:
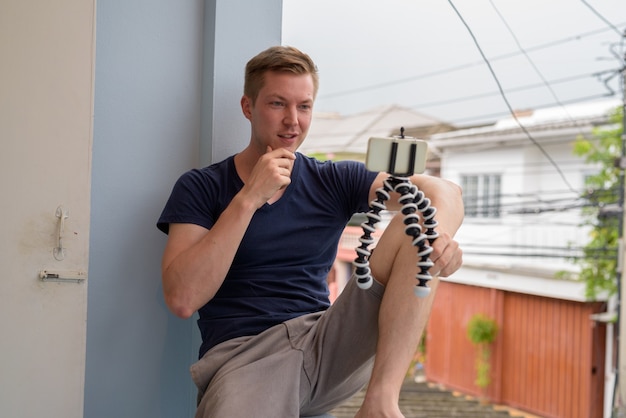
(599, 261)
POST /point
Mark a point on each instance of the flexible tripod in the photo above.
(414, 203)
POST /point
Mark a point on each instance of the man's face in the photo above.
(282, 113)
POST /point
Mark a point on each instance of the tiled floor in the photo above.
(423, 400)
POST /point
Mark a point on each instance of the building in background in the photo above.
(522, 195)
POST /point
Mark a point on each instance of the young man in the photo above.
(251, 241)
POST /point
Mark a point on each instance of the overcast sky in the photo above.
(420, 54)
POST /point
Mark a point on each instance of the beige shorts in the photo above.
(305, 366)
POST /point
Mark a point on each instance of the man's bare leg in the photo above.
(402, 320)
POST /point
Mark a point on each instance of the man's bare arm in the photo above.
(196, 260)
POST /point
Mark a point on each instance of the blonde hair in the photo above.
(280, 59)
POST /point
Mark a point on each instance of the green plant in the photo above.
(482, 332)
(599, 260)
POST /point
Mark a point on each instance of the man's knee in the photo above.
(393, 246)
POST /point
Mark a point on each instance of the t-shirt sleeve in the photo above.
(189, 202)
(356, 183)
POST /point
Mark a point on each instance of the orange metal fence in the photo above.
(548, 357)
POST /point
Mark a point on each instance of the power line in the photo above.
(532, 63)
(490, 210)
(522, 168)
(605, 20)
(497, 246)
(506, 101)
(574, 38)
(518, 199)
(496, 93)
(492, 116)
(537, 255)
(339, 134)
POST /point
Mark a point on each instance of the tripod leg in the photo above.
(413, 204)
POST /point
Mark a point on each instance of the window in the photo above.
(481, 195)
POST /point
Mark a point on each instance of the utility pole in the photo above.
(620, 403)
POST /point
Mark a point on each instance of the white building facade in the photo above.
(522, 188)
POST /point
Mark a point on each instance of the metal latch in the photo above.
(74, 276)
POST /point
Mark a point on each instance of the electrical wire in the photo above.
(506, 101)
(521, 50)
(523, 88)
(343, 134)
(435, 73)
(534, 66)
(535, 255)
(605, 20)
(492, 116)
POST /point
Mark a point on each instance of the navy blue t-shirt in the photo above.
(279, 271)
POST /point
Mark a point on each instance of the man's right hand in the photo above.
(270, 175)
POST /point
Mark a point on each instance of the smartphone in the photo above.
(399, 156)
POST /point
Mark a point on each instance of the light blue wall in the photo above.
(242, 29)
(166, 99)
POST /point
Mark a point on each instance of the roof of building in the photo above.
(334, 133)
(566, 120)
(349, 134)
